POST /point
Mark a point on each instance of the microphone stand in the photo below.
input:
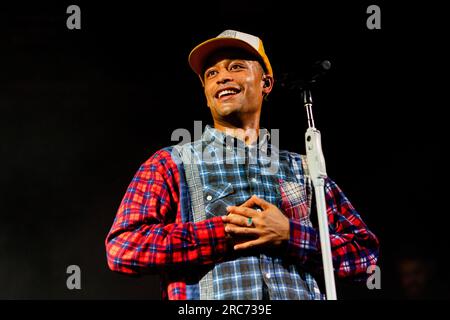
(316, 165)
(317, 172)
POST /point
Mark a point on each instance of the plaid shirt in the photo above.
(154, 229)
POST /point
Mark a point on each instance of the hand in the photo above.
(234, 239)
(269, 227)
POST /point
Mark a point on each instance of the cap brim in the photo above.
(200, 53)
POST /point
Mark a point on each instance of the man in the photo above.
(227, 216)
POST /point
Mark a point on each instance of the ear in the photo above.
(267, 84)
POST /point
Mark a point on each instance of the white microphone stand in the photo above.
(317, 171)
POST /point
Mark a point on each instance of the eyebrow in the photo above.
(231, 61)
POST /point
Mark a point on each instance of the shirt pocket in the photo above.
(294, 201)
(217, 198)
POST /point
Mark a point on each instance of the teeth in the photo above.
(225, 92)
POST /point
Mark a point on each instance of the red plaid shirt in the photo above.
(148, 234)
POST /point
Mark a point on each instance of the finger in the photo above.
(249, 244)
(242, 230)
(236, 219)
(261, 202)
(232, 225)
(250, 203)
(256, 201)
(242, 211)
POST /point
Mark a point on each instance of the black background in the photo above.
(80, 110)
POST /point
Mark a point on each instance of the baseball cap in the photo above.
(228, 39)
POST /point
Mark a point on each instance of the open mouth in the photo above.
(227, 92)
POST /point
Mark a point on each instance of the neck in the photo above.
(247, 132)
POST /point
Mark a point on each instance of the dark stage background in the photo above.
(80, 110)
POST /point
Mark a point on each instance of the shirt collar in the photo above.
(212, 135)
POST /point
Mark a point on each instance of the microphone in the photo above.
(320, 68)
(296, 80)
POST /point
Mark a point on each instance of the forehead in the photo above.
(227, 54)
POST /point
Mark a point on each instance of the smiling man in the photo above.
(213, 220)
(232, 87)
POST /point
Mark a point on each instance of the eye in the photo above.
(210, 73)
(236, 66)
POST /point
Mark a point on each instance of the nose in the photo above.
(224, 77)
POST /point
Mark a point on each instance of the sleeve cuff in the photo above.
(303, 240)
(211, 239)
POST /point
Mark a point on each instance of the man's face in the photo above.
(233, 86)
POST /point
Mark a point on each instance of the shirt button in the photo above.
(209, 197)
(254, 180)
(229, 148)
(268, 275)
